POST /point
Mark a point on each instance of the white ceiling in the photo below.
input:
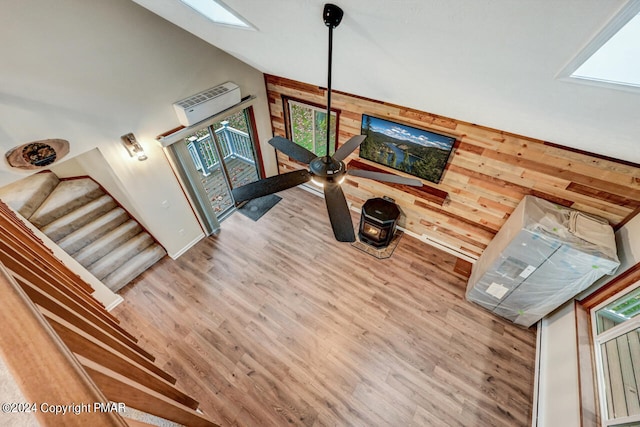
(490, 62)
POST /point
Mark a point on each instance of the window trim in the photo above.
(615, 24)
(313, 105)
(604, 337)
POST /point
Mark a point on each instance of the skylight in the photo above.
(618, 60)
(613, 57)
(218, 12)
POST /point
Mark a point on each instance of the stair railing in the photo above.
(64, 348)
(233, 143)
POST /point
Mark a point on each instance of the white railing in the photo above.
(233, 142)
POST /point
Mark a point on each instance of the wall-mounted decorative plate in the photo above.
(37, 154)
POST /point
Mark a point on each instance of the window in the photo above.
(616, 328)
(611, 59)
(219, 13)
(307, 126)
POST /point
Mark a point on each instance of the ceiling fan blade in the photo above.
(339, 213)
(348, 147)
(385, 177)
(270, 185)
(292, 149)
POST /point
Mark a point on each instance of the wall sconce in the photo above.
(133, 147)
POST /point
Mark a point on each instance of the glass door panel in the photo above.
(621, 363)
(233, 138)
(206, 159)
(213, 160)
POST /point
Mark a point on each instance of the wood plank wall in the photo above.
(489, 172)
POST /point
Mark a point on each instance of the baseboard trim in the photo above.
(116, 302)
(191, 244)
(442, 246)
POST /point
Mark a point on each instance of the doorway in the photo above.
(215, 159)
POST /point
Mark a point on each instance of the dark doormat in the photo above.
(254, 209)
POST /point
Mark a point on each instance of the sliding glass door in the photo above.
(215, 159)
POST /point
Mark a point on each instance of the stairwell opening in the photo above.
(86, 222)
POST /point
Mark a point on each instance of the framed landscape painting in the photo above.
(406, 148)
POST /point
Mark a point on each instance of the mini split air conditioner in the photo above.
(207, 103)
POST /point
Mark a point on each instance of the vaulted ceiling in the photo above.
(490, 62)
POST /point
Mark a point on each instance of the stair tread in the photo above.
(77, 218)
(134, 267)
(87, 223)
(88, 233)
(117, 257)
(26, 195)
(66, 197)
(108, 242)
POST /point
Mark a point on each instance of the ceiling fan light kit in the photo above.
(327, 171)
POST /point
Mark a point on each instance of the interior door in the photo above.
(215, 159)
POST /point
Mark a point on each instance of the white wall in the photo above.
(559, 403)
(558, 377)
(628, 241)
(90, 71)
(92, 163)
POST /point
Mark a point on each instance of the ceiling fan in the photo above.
(326, 171)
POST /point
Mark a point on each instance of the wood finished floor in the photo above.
(274, 323)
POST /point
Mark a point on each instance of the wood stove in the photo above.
(378, 222)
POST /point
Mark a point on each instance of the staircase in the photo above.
(86, 223)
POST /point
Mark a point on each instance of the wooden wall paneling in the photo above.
(43, 365)
(473, 216)
(475, 165)
(488, 174)
(588, 165)
(427, 192)
(481, 205)
(596, 179)
(615, 199)
(121, 389)
(453, 231)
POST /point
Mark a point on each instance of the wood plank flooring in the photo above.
(274, 323)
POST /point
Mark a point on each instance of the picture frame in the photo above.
(406, 148)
